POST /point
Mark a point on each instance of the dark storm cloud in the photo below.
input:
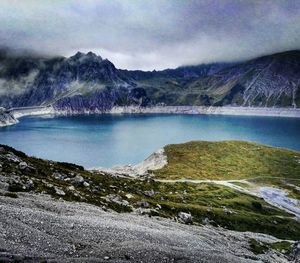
(152, 34)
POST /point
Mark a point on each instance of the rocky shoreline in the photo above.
(6, 118)
(9, 117)
(226, 110)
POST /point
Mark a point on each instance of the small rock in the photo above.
(143, 203)
(129, 196)
(226, 210)
(59, 191)
(146, 211)
(13, 158)
(29, 183)
(22, 165)
(205, 221)
(78, 179)
(86, 184)
(49, 185)
(149, 193)
(57, 176)
(158, 206)
(116, 199)
(71, 188)
(95, 191)
(106, 258)
(185, 217)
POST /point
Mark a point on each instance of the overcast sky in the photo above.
(141, 34)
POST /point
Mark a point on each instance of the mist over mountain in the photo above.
(86, 81)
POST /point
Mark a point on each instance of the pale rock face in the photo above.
(6, 119)
(155, 161)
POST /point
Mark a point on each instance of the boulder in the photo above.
(58, 191)
(78, 179)
(13, 158)
(22, 165)
(29, 184)
(143, 203)
(57, 176)
(129, 196)
(71, 188)
(185, 217)
(86, 184)
(116, 199)
(149, 193)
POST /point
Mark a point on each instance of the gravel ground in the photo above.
(34, 228)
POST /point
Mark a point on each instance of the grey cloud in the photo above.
(153, 34)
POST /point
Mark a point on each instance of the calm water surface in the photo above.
(108, 140)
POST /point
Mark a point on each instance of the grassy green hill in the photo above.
(228, 160)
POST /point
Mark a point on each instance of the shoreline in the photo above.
(17, 113)
(212, 110)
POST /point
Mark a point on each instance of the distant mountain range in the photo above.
(88, 82)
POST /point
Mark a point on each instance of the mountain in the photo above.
(88, 82)
(267, 81)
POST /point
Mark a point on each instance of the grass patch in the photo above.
(228, 160)
(258, 247)
(9, 194)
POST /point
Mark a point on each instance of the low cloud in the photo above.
(152, 34)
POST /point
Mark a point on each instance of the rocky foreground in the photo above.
(36, 228)
(59, 212)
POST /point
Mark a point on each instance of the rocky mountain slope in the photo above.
(267, 81)
(54, 211)
(86, 82)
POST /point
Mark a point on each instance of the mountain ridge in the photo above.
(89, 82)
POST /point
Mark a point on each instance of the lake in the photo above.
(108, 140)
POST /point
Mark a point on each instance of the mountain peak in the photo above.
(91, 54)
(80, 56)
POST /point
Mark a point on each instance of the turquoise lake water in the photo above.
(108, 140)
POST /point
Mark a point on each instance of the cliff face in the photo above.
(87, 82)
(6, 118)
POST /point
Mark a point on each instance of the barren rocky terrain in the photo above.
(36, 228)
